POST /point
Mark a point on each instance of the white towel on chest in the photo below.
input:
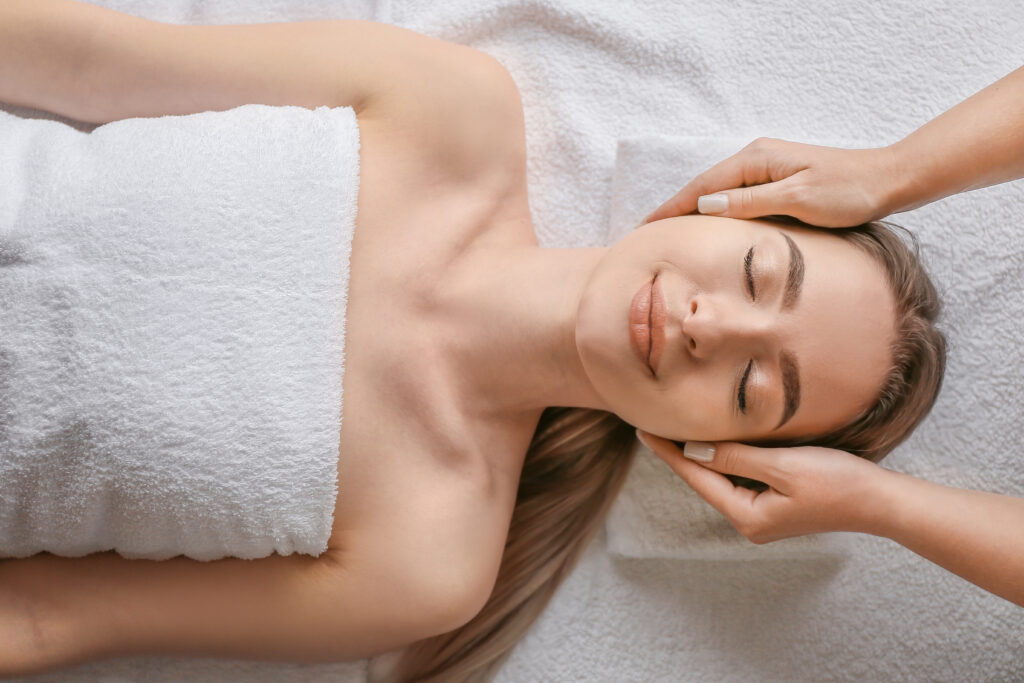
(172, 302)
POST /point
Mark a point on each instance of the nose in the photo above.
(712, 326)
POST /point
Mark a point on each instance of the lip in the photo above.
(658, 317)
(640, 323)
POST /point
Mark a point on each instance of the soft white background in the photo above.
(595, 73)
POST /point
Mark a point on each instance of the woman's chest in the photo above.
(409, 448)
(412, 462)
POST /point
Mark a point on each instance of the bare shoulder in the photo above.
(442, 532)
(457, 109)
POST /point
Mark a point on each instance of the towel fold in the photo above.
(172, 303)
(657, 514)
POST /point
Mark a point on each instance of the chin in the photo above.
(603, 344)
(603, 368)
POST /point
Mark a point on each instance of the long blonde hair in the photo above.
(579, 458)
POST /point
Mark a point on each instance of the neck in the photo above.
(514, 319)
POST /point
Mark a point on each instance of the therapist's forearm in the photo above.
(977, 143)
(44, 48)
(976, 535)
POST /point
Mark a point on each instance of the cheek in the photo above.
(692, 410)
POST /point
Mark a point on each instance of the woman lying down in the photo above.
(492, 387)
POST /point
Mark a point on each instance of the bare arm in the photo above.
(97, 65)
(977, 143)
(43, 45)
(58, 611)
(973, 534)
(413, 569)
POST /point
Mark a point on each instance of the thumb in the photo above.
(748, 202)
(725, 457)
(736, 459)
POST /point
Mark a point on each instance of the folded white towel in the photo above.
(657, 514)
(172, 302)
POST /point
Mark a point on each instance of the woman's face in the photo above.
(757, 331)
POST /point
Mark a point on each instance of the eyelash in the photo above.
(741, 396)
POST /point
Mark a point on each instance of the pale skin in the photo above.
(460, 331)
(974, 534)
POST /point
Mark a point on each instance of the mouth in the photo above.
(657, 325)
(640, 313)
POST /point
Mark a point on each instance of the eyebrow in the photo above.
(795, 276)
(790, 386)
(787, 362)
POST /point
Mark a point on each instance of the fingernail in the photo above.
(698, 450)
(640, 436)
(713, 203)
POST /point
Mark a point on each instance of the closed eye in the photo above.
(746, 268)
(741, 395)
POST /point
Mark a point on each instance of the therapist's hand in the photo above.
(812, 489)
(822, 186)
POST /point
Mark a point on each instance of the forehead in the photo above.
(840, 331)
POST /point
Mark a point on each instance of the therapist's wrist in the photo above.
(907, 184)
(894, 188)
(883, 493)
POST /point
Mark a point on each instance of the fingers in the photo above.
(682, 203)
(746, 185)
(742, 460)
(724, 175)
(732, 501)
(749, 202)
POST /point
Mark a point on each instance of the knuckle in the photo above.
(783, 463)
(747, 528)
(795, 193)
(700, 182)
(745, 198)
(757, 531)
(727, 457)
